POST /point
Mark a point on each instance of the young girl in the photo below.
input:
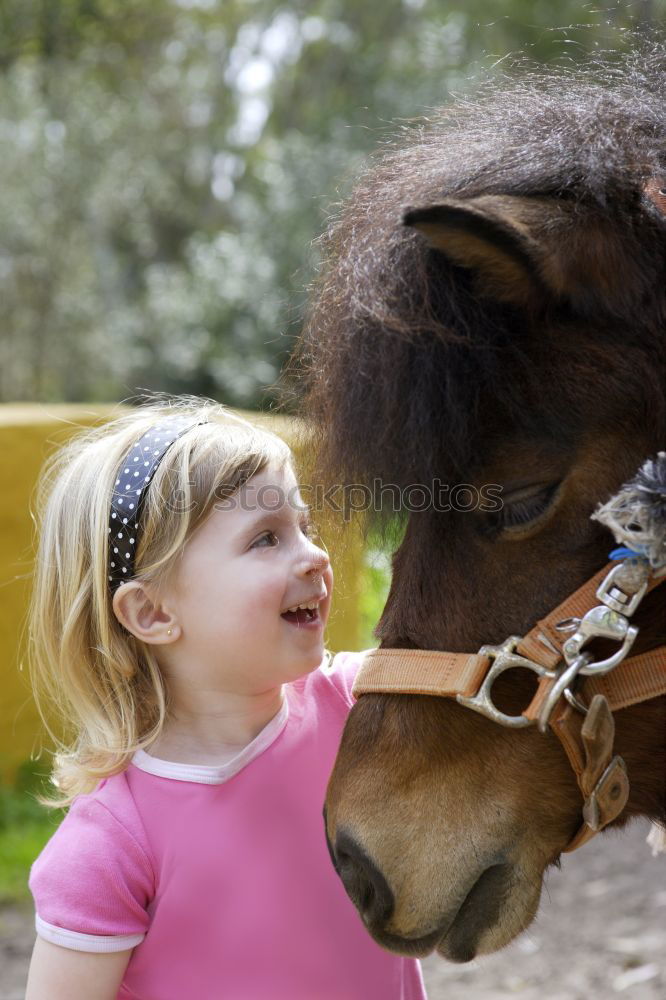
(177, 622)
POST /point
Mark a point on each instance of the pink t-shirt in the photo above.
(219, 877)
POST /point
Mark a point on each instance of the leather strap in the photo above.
(420, 671)
(602, 777)
(446, 675)
(638, 678)
(543, 643)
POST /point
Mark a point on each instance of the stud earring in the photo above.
(169, 631)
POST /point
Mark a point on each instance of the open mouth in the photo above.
(480, 911)
(301, 616)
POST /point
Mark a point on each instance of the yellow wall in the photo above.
(28, 433)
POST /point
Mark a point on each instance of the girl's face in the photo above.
(240, 573)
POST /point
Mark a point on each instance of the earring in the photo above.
(169, 631)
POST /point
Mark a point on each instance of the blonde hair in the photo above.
(104, 684)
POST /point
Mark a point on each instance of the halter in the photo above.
(554, 649)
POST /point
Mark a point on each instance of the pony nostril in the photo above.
(357, 884)
(366, 886)
(367, 897)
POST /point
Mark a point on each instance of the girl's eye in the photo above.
(268, 540)
(518, 513)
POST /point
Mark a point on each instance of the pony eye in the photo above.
(522, 511)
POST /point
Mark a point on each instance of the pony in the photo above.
(491, 312)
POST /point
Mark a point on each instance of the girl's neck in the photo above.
(212, 730)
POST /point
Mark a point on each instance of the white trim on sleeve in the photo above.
(85, 942)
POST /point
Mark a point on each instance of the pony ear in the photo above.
(527, 250)
(491, 236)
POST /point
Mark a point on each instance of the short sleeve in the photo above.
(341, 671)
(93, 882)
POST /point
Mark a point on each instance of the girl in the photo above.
(177, 622)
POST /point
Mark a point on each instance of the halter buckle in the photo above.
(608, 797)
(504, 657)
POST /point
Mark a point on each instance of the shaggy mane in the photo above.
(403, 365)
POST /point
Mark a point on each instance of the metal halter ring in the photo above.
(562, 686)
(505, 658)
(575, 702)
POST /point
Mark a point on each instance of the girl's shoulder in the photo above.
(111, 803)
(102, 822)
(96, 875)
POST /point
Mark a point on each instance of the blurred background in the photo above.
(165, 166)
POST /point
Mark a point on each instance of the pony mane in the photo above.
(404, 366)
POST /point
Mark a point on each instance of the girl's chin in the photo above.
(306, 663)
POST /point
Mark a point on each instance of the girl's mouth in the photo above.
(302, 617)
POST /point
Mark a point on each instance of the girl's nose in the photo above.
(316, 559)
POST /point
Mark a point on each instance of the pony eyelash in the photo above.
(522, 512)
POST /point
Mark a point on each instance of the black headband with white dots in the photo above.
(133, 479)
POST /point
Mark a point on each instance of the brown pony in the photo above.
(492, 311)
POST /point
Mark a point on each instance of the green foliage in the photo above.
(164, 167)
(19, 846)
(382, 540)
(25, 827)
(18, 804)
(374, 590)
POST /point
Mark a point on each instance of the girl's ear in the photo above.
(143, 615)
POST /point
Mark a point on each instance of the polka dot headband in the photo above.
(133, 479)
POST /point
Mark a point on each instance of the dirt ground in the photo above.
(600, 933)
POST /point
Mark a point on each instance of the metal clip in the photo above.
(505, 658)
(600, 623)
(615, 598)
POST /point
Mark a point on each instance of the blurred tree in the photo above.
(164, 167)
